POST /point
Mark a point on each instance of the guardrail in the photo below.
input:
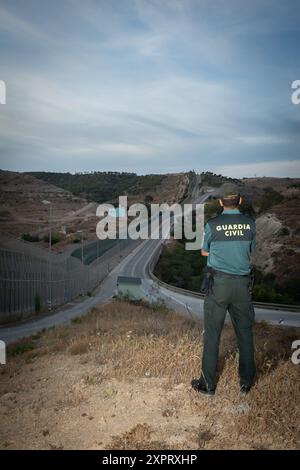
(180, 290)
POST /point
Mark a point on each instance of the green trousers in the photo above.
(228, 294)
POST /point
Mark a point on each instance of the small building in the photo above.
(130, 287)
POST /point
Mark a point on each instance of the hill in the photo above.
(23, 213)
(119, 378)
(107, 186)
(277, 205)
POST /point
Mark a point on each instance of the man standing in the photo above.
(229, 240)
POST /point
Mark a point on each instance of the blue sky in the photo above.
(150, 86)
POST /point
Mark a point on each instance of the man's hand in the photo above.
(204, 253)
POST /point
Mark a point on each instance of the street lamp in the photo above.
(98, 260)
(49, 252)
(81, 232)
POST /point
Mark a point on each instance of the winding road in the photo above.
(137, 264)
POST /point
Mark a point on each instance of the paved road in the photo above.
(136, 264)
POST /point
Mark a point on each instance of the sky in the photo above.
(150, 86)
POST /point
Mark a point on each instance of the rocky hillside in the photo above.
(23, 213)
(277, 203)
(22, 207)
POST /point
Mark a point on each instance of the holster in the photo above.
(208, 280)
(251, 280)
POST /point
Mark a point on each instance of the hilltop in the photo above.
(119, 378)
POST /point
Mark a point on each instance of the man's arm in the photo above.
(206, 241)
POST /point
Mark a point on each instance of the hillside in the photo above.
(119, 378)
(107, 186)
(23, 213)
(277, 204)
(94, 186)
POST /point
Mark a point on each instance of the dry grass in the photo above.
(129, 367)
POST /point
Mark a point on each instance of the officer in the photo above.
(229, 239)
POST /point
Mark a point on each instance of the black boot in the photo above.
(245, 389)
(199, 387)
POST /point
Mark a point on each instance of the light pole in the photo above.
(98, 260)
(81, 232)
(49, 253)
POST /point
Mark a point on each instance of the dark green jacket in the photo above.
(230, 238)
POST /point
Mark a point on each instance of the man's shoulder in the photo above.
(212, 221)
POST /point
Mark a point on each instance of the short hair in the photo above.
(231, 201)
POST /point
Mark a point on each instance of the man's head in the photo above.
(230, 197)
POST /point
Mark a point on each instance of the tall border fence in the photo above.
(32, 279)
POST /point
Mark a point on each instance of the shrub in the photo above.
(30, 238)
(37, 303)
(284, 231)
(55, 238)
(20, 348)
(269, 199)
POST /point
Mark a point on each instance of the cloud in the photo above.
(147, 85)
(14, 25)
(119, 148)
(281, 168)
(263, 140)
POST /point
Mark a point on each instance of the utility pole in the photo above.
(98, 261)
(82, 258)
(49, 253)
(81, 233)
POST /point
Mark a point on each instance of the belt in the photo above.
(215, 272)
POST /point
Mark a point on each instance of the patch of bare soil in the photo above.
(120, 379)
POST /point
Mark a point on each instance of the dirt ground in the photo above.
(120, 379)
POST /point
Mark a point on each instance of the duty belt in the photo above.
(210, 273)
(215, 272)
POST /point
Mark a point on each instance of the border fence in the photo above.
(31, 279)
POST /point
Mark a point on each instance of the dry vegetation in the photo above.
(171, 190)
(22, 209)
(23, 212)
(120, 379)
